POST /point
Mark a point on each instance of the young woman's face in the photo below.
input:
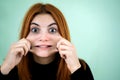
(43, 35)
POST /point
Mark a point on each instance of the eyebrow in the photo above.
(52, 24)
(33, 23)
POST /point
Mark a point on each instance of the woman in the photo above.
(44, 51)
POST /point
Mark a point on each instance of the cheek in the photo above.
(30, 38)
(56, 38)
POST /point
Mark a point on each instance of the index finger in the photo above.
(64, 42)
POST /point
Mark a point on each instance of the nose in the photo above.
(44, 37)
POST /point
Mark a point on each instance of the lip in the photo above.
(43, 46)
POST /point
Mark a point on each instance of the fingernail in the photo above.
(30, 47)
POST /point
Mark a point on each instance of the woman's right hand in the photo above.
(15, 54)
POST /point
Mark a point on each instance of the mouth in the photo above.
(43, 46)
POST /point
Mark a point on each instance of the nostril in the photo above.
(44, 38)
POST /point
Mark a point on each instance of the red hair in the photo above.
(63, 73)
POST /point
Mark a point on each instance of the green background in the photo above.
(94, 27)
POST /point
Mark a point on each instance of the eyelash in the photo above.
(35, 29)
(50, 30)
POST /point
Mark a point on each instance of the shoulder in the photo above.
(83, 72)
(83, 63)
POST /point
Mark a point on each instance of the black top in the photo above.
(48, 72)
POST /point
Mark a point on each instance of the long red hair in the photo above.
(23, 67)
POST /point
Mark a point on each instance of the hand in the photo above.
(68, 53)
(15, 54)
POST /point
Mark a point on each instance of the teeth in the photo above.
(43, 46)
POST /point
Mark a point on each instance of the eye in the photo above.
(35, 30)
(52, 30)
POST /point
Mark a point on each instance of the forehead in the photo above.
(43, 19)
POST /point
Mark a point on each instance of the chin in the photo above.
(44, 54)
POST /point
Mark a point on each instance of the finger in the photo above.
(56, 50)
(22, 45)
(64, 42)
(58, 38)
(26, 48)
(29, 40)
(28, 44)
(19, 51)
(62, 54)
(64, 47)
(65, 54)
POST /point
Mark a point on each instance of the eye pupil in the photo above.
(52, 30)
(35, 30)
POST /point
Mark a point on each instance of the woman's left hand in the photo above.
(67, 51)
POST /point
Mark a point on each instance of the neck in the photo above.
(44, 60)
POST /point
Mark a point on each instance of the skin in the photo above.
(44, 36)
(43, 41)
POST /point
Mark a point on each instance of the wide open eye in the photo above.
(35, 30)
(52, 30)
